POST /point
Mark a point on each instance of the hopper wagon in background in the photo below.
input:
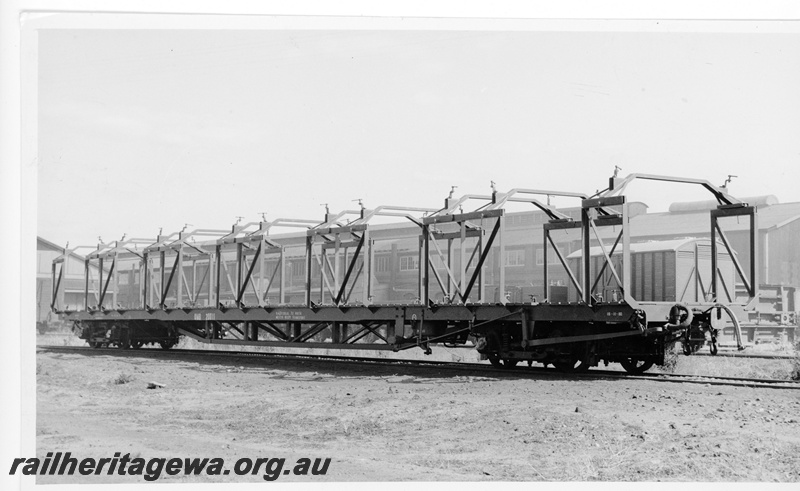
(588, 294)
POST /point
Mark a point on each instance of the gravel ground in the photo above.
(396, 424)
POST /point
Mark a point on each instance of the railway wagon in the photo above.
(661, 271)
(448, 277)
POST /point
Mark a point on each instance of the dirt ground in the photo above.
(397, 424)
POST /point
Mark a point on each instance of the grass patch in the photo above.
(795, 373)
(123, 378)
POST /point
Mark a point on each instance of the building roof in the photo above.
(698, 222)
(40, 241)
(650, 246)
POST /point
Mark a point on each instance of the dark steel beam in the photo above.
(108, 280)
(482, 259)
(349, 271)
(243, 284)
(164, 289)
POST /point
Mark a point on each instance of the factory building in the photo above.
(72, 282)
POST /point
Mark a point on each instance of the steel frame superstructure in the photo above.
(218, 290)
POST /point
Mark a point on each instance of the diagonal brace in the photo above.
(349, 270)
(481, 260)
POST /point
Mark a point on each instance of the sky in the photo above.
(142, 129)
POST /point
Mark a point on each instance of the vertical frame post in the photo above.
(282, 284)
(239, 286)
(462, 257)
(179, 265)
(145, 275)
(218, 268)
(754, 270)
(162, 293)
(309, 245)
(100, 284)
(262, 265)
(585, 258)
(481, 292)
(449, 283)
(367, 268)
(424, 265)
(86, 284)
(54, 301)
(713, 286)
(626, 253)
(502, 247)
(545, 279)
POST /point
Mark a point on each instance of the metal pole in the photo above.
(754, 270)
(462, 280)
(262, 265)
(239, 286)
(54, 296)
(480, 266)
(309, 245)
(365, 281)
(100, 285)
(145, 274)
(217, 283)
(713, 286)
(181, 278)
(282, 284)
(426, 260)
(626, 252)
(115, 275)
(585, 259)
(502, 247)
(449, 283)
(86, 285)
(545, 233)
(163, 295)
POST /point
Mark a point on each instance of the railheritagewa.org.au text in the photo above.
(152, 469)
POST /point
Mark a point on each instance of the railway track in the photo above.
(520, 372)
(744, 354)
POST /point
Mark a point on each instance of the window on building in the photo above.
(409, 263)
(552, 257)
(382, 264)
(515, 257)
(298, 269)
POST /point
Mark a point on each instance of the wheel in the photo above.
(574, 357)
(497, 362)
(166, 344)
(95, 344)
(137, 344)
(636, 366)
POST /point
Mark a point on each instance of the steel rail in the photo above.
(736, 354)
(530, 372)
